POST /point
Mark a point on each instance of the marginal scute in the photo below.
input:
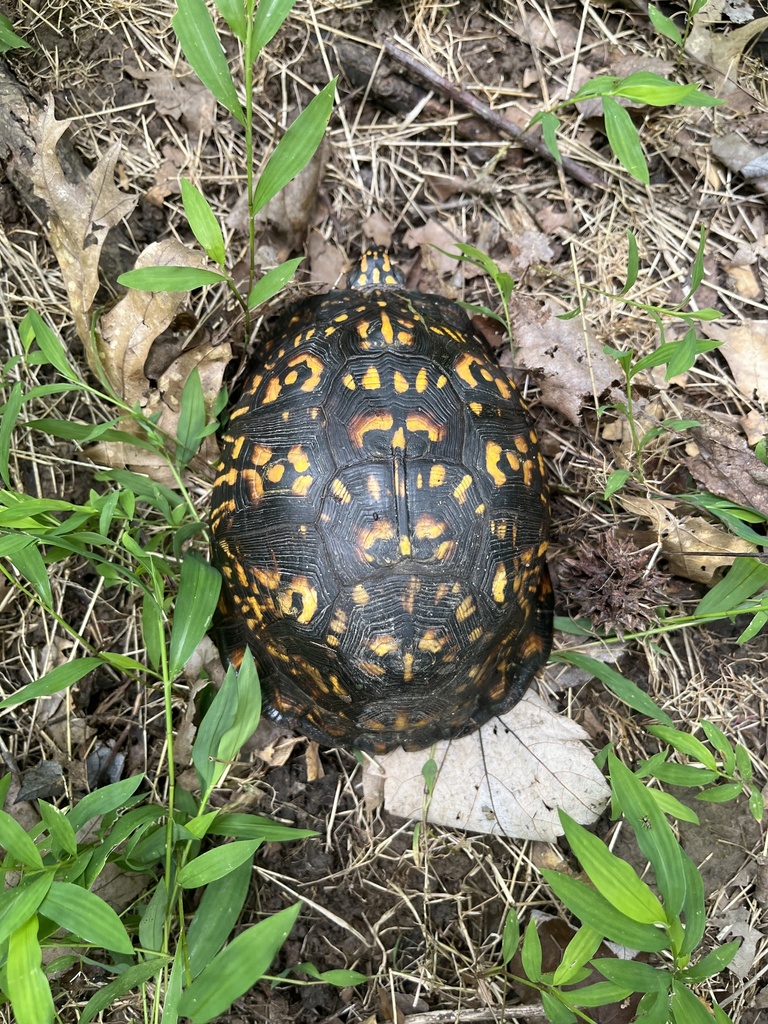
(380, 520)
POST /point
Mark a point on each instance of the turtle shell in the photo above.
(380, 521)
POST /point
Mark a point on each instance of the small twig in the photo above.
(498, 121)
(530, 1011)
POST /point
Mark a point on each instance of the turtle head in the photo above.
(374, 269)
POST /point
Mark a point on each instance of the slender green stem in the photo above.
(248, 79)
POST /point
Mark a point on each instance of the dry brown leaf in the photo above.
(569, 368)
(719, 54)
(724, 465)
(745, 349)
(184, 99)
(426, 237)
(742, 156)
(81, 214)
(124, 344)
(378, 228)
(755, 426)
(695, 549)
(508, 778)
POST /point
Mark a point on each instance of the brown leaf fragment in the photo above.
(125, 340)
(570, 367)
(694, 548)
(81, 213)
(745, 349)
(742, 156)
(724, 465)
(427, 237)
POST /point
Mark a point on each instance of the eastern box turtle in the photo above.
(380, 520)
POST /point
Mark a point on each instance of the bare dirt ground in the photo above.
(406, 165)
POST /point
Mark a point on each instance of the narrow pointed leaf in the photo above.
(195, 604)
(270, 15)
(203, 222)
(624, 140)
(169, 279)
(58, 678)
(271, 283)
(86, 916)
(216, 916)
(196, 32)
(296, 148)
(217, 863)
(26, 982)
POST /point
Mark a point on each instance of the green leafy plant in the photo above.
(140, 534)
(643, 87)
(668, 28)
(253, 28)
(617, 905)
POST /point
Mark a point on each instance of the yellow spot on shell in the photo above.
(521, 443)
(260, 455)
(386, 329)
(373, 486)
(237, 448)
(442, 380)
(273, 390)
(422, 382)
(504, 388)
(492, 456)
(416, 421)
(340, 491)
(428, 528)
(275, 473)
(301, 485)
(499, 583)
(436, 476)
(360, 425)
(383, 645)
(292, 377)
(405, 546)
(360, 595)
(466, 608)
(349, 382)
(460, 491)
(381, 530)
(298, 459)
(398, 438)
(401, 384)
(371, 380)
(407, 669)
(514, 462)
(475, 634)
(431, 643)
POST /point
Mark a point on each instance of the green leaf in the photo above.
(217, 863)
(657, 91)
(711, 964)
(30, 563)
(272, 282)
(633, 974)
(602, 993)
(510, 938)
(86, 916)
(613, 877)
(33, 327)
(270, 15)
(168, 279)
(685, 743)
(684, 775)
(549, 124)
(664, 25)
(196, 32)
(196, 600)
(25, 979)
(746, 577)
(578, 951)
(22, 902)
(8, 38)
(623, 688)
(191, 427)
(216, 916)
(531, 953)
(721, 794)
(594, 910)
(694, 911)
(616, 481)
(717, 739)
(340, 978)
(233, 12)
(128, 980)
(17, 843)
(253, 826)
(296, 148)
(59, 678)
(624, 140)
(153, 919)
(756, 805)
(686, 1008)
(743, 763)
(556, 1012)
(653, 833)
(230, 720)
(10, 415)
(59, 828)
(237, 967)
(672, 806)
(202, 221)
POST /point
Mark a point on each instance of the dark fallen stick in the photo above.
(498, 121)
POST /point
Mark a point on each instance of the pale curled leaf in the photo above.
(126, 337)
(81, 213)
(508, 778)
